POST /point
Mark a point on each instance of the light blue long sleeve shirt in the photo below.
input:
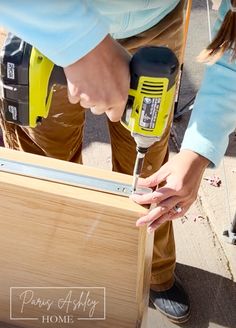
(66, 30)
(214, 114)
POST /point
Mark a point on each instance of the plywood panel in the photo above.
(55, 235)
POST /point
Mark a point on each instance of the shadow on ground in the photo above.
(213, 298)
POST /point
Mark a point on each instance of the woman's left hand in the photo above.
(182, 176)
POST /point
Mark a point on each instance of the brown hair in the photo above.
(223, 41)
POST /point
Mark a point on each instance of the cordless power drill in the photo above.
(28, 77)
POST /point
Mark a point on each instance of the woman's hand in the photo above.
(181, 176)
(101, 79)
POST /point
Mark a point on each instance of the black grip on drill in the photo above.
(154, 61)
(57, 76)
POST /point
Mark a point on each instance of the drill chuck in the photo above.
(144, 141)
(138, 166)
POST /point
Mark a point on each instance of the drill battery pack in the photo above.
(14, 74)
(27, 79)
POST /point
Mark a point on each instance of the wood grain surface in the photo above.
(55, 235)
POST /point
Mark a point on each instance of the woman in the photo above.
(206, 138)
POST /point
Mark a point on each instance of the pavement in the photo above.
(205, 262)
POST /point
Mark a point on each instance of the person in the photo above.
(96, 64)
(206, 138)
(93, 41)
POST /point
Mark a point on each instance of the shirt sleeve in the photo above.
(64, 31)
(214, 114)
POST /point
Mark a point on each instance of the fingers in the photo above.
(170, 209)
(161, 214)
(72, 92)
(156, 196)
(100, 80)
(152, 216)
(115, 113)
(181, 188)
(85, 101)
(166, 217)
(155, 224)
(165, 207)
(154, 179)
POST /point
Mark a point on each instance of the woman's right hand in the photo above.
(101, 79)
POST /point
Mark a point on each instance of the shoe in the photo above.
(173, 303)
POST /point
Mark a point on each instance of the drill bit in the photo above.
(137, 169)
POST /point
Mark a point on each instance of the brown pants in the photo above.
(60, 136)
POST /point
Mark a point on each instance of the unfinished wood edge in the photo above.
(144, 272)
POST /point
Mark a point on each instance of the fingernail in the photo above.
(134, 197)
(155, 195)
(74, 100)
(140, 223)
(84, 97)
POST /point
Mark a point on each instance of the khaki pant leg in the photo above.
(60, 134)
(169, 32)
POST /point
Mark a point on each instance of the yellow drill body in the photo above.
(151, 98)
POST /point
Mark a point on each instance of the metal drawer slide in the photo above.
(60, 176)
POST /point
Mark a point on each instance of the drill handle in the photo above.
(57, 76)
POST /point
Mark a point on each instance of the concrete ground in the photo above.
(206, 263)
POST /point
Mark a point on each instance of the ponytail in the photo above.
(224, 40)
